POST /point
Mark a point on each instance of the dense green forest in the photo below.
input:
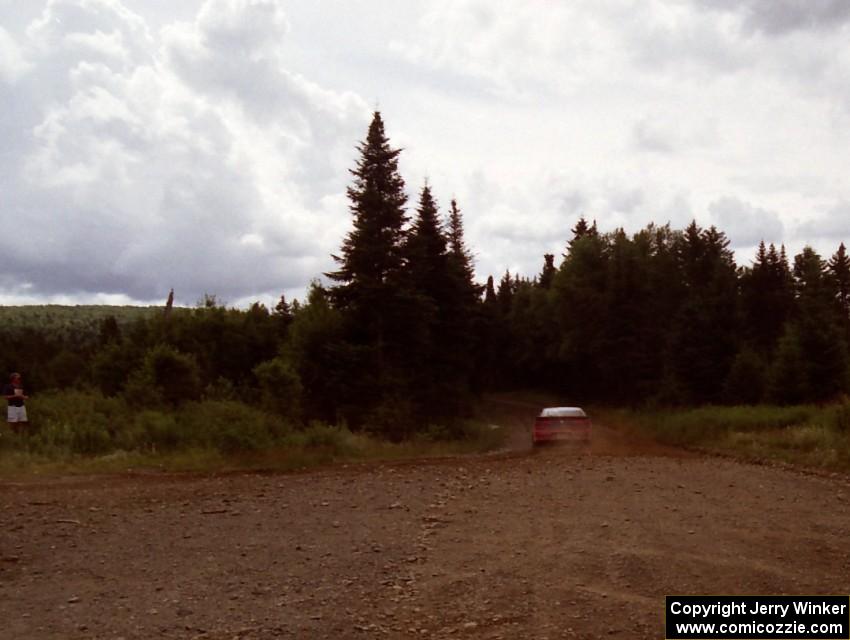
(403, 338)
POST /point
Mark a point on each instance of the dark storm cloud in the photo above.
(778, 17)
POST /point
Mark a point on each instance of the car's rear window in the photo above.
(562, 412)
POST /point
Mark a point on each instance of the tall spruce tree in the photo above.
(438, 354)
(489, 293)
(819, 329)
(767, 299)
(459, 253)
(426, 250)
(464, 327)
(625, 319)
(369, 287)
(371, 256)
(547, 274)
(703, 339)
(505, 293)
(579, 305)
(839, 269)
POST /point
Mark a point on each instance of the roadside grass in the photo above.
(807, 435)
(81, 433)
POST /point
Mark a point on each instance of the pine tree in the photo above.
(788, 379)
(426, 249)
(425, 280)
(370, 289)
(505, 293)
(487, 345)
(439, 273)
(810, 277)
(839, 269)
(819, 328)
(703, 337)
(489, 293)
(283, 308)
(458, 251)
(371, 256)
(581, 230)
(464, 325)
(746, 381)
(767, 299)
(283, 313)
(625, 320)
(547, 275)
(579, 305)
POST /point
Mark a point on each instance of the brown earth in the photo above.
(546, 544)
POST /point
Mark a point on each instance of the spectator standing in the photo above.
(17, 411)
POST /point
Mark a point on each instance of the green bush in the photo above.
(74, 422)
(88, 423)
(65, 369)
(394, 419)
(228, 426)
(111, 367)
(692, 426)
(745, 383)
(165, 376)
(334, 440)
(841, 416)
(280, 388)
(155, 430)
(91, 436)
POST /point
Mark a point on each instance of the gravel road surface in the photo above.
(533, 544)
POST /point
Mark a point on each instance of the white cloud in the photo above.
(206, 144)
(200, 163)
(12, 61)
(670, 134)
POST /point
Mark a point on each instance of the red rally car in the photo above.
(561, 423)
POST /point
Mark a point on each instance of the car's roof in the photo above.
(563, 412)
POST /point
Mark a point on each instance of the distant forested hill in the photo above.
(79, 321)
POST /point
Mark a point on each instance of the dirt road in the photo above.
(547, 544)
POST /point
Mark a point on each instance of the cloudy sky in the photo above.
(205, 144)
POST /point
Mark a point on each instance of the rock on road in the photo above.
(544, 545)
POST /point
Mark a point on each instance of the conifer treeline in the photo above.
(662, 315)
(407, 301)
(403, 338)
(666, 316)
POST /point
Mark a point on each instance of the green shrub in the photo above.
(841, 416)
(745, 383)
(165, 376)
(333, 439)
(154, 430)
(65, 369)
(693, 426)
(74, 422)
(111, 367)
(280, 388)
(450, 430)
(229, 426)
(91, 436)
(221, 389)
(394, 419)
